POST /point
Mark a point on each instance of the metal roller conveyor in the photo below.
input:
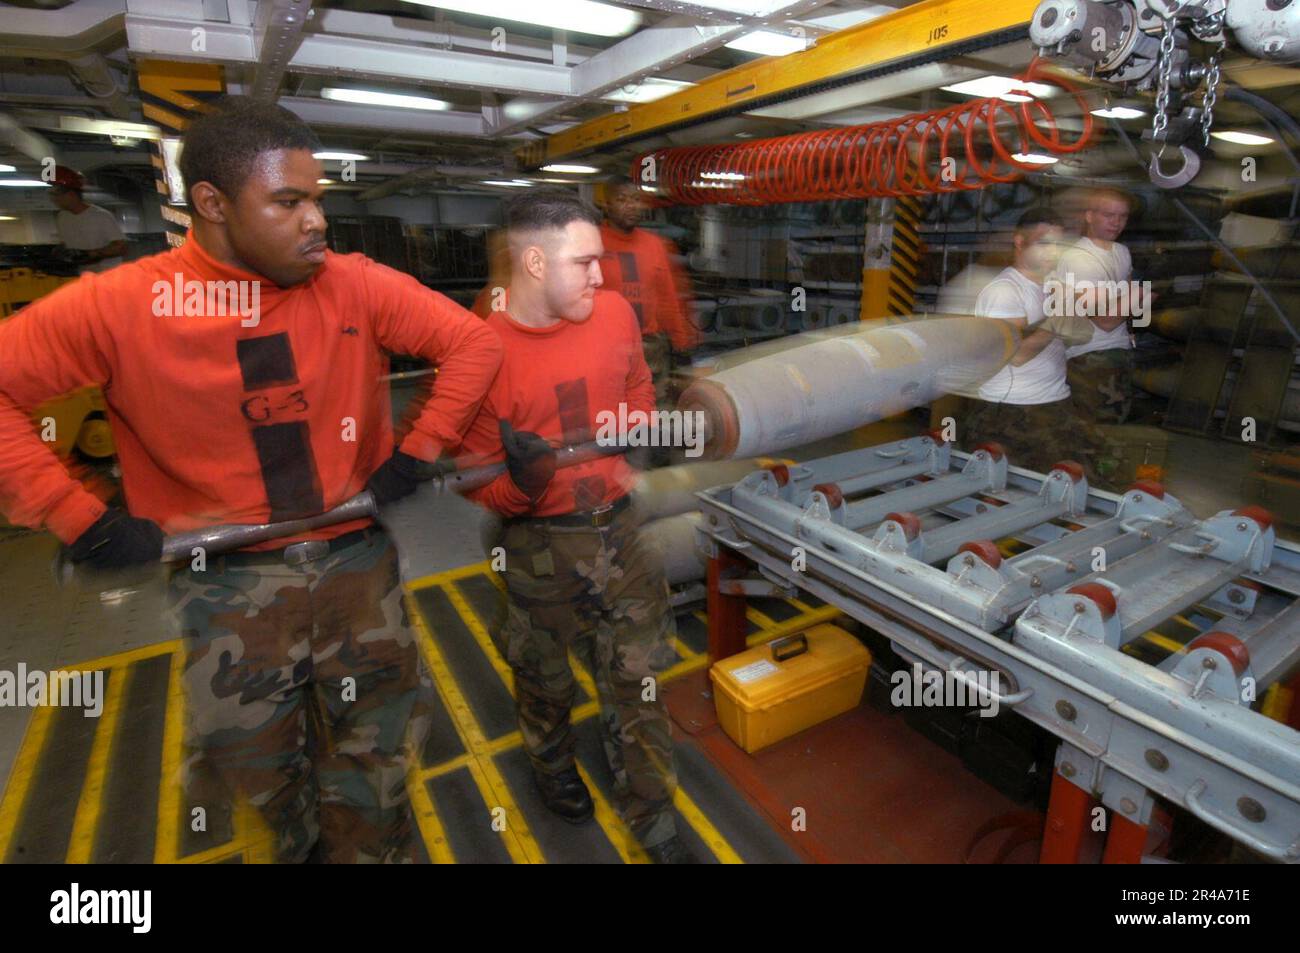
(973, 564)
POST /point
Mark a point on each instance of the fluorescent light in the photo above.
(991, 87)
(580, 16)
(749, 8)
(768, 43)
(8, 218)
(370, 97)
(341, 156)
(109, 127)
(728, 176)
(575, 169)
(1034, 158)
(1119, 112)
(7, 168)
(510, 184)
(648, 90)
(24, 183)
(324, 181)
(1242, 138)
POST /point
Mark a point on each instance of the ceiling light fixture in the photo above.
(1119, 112)
(371, 97)
(768, 43)
(1004, 87)
(1242, 138)
(646, 91)
(580, 16)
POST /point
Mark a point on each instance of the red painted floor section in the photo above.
(873, 790)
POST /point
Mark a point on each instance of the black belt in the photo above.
(295, 554)
(600, 516)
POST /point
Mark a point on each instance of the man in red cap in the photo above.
(87, 229)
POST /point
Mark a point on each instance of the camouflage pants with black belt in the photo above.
(305, 695)
(1101, 383)
(601, 592)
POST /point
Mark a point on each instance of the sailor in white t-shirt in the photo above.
(86, 229)
(1101, 370)
(1026, 406)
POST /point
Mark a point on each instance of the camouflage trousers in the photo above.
(1036, 436)
(1101, 384)
(600, 592)
(306, 695)
(658, 352)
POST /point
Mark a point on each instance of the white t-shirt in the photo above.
(93, 228)
(1088, 261)
(1041, 379)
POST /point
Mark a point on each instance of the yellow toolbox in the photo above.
(773, 691)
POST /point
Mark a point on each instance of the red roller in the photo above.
(834, 496)
(984, 549)
(1150, 488)
(1257, 513)
(1103, 597)
(905, 156)
(1227, 645)
(1071, 469)
(910, 523)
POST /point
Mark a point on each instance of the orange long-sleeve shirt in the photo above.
(218, 422)
(555, 382)
(641, 267)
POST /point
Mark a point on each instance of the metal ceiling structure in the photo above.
(513, 92)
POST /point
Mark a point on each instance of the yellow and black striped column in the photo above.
(172, 94)
(905, 257)
(892, 260)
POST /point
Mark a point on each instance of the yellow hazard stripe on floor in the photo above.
(516, 837)
(451, 575)
(454, 697)
(20, 778)
(85, 823)
(627, 846)
(166, 845)
(253, 841)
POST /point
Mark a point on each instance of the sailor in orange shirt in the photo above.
(242, 377)
(642, 267)
(578, 572)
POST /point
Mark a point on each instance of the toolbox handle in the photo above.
(1287, 854)
(779, 645)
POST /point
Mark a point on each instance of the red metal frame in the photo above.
(1126, 841)
(1067, 822)
(726, 612)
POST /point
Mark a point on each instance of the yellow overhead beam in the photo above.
(926, 31)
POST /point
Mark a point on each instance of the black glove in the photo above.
(399, 475)
(529, 458)
(118, 539)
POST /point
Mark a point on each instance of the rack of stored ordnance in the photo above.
(976, 567)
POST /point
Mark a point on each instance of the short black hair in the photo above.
(222, 145)
(548, 209)
(614, 183)
(1038, 215)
